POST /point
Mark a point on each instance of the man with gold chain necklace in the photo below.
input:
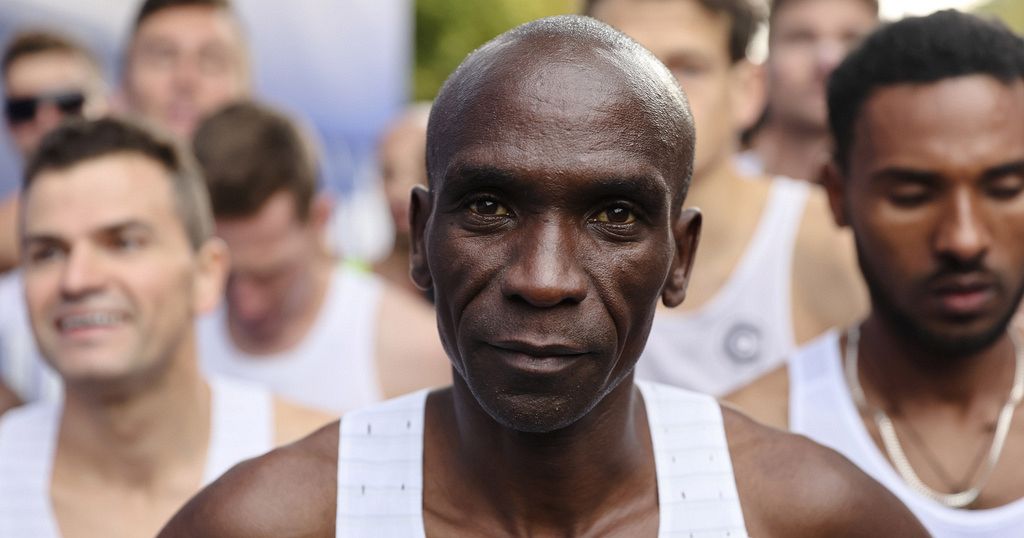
(929, 175)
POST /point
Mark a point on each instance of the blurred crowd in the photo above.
(170, 303)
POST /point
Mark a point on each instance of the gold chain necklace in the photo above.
(891, 441)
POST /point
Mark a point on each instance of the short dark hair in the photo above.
(744, 19)
(774, 6)
(33, 42)
(249, 152)
(78, 140)
(918, 50)
(151, 7)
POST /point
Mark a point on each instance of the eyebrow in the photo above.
(1008, 169)
(110, 229)
(913, 175)
(645, 188)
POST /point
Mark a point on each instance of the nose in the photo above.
(828, 54)
(186, 75)
(245, 299)
(47, 117)
(545, 271)
(963, 234)
(82, 274)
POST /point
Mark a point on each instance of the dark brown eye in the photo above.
(489, 208)
(617, 214)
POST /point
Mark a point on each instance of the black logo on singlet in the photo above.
(743, 343)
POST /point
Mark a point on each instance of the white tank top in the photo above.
(746, 330)
(332, 369)
(821, 408)
(380, 467)
(242, 427)
(22, 368)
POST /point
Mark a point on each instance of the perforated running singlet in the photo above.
(820, 407)
(380, 467)
(242, 427)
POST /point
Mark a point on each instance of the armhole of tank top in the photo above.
(363, 290)
(795, 193)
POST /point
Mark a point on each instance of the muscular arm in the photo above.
(288, 492)
(827, 288)
(790, 486)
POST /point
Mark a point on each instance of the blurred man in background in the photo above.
(118, 260)
(806, 40)
(185, 59)
(929, 175)
(47, 77)
(403, 165)
(779, 271)
(318, 331)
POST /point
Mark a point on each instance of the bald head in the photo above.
(565, 74)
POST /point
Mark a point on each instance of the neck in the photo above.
(905, 374)
(142, 436)
(557, 480)
(798, 153)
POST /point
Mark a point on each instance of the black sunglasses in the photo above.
(24, 109)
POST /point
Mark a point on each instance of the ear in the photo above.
(212, 263)
(320, 212)
(686, 236)
(420, 208)
(748, 94)
(834, 182)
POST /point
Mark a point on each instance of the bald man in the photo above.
(558, 158)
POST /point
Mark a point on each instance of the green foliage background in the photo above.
(1011, 11)
(448, 30)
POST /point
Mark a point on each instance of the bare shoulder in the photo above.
(290, 491)
(766, 400)
(827, 287)
(791, 486)
(293, 422)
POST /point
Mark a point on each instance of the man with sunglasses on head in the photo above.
(47, 77)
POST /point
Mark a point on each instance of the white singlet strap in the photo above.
(241, 425)
(697, 494)
(380, 470)
(28, 442)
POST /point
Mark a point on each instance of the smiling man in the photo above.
(118, 260)
(929, 175)
(559, 156)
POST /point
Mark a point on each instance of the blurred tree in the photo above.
(448, 30)
(1010, 11)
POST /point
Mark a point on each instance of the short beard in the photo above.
(935, 343)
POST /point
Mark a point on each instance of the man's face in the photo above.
(42, 89)
(809, 38)
(934, 197)
(111, 281)
(694, 44)
(403, 166)
(271, 255)
(548, 242)
(183, 64)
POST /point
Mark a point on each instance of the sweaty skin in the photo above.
(548, 242)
